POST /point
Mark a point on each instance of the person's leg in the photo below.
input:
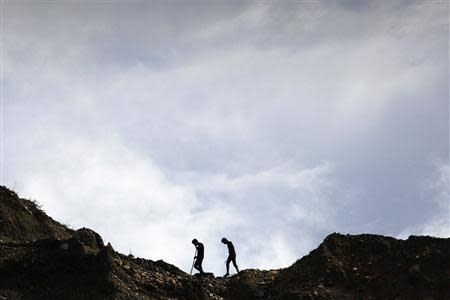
(196, 265)
(200, 266)
(228, 266)
(235, 265)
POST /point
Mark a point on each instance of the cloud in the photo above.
(128, 199)
(124, 196)
(282, 211)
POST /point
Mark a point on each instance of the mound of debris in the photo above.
(370, 267)
(23, 220)
(43, 259)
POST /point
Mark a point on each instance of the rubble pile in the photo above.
(370, 267)
(43, 259)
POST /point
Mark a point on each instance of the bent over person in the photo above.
(231, 256)
(199, 256)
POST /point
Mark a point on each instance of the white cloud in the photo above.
(278, 208)
(124, 196)
(129, 200)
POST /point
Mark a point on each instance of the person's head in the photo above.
(195, 242)
(224, 240)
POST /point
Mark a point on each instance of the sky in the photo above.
(273, 124)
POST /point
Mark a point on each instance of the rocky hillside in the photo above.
(23, 220)
(42, 259)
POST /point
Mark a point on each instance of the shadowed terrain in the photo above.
(43, 259)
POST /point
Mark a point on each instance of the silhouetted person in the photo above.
(231, 256)
(199, 256)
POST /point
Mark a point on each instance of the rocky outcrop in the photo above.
(42, 259)
(23, 220)
(370, 267)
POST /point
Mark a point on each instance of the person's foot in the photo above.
(226, 275)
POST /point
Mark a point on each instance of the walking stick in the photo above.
(193, 261)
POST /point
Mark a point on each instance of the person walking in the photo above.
(231, 256)
(200, 254)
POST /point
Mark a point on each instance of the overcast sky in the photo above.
(272, 124)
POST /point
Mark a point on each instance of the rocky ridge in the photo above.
(43, 259)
